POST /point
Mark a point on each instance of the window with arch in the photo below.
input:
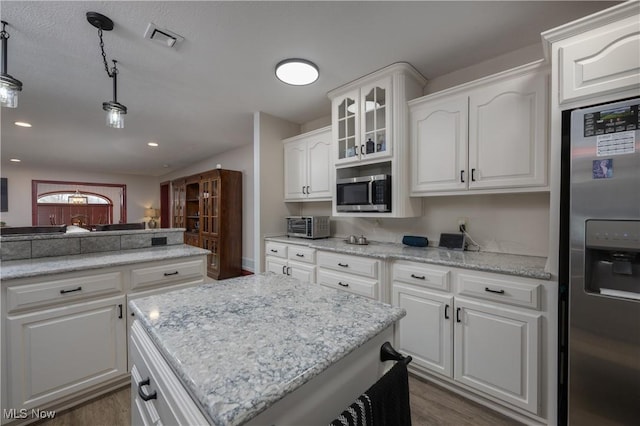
(77, 203)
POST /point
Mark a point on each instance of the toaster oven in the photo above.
(308, 226)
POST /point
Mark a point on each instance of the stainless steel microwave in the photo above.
(308, 226)
(364, 194)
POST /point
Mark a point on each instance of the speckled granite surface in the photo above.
(23, 268)
(511, 264)
(242, 344)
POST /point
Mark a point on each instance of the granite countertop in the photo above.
(510, 264)
(242, 344)
(77, 232)
(24, 268)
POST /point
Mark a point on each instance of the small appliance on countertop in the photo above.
(312, 227)
(415, 241)
(452, 241)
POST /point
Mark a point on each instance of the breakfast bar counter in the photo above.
(240, 346)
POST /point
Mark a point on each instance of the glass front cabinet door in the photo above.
(363, 118)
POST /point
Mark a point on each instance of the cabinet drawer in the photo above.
(62, 291)
(513, 292)
(350, 264)
(422, 275)
(167, 273)
(350, 283)
(302, 254)
(172, 404)
(275, 249)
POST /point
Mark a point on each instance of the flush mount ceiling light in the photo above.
(297, 72)
(9, 86)
(115, 110)
(22, 124)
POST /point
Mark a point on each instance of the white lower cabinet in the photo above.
(355, 274)
(157, 395)
(496, 350)
(291, 259)
(427, 330)
(54, 352)
(490, 347)
(64, 336)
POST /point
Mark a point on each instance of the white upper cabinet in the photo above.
(369, 114)
(596, 59)
(508, 133)
(440, 143)
(363, 119)
(489, 135)
(308, 166)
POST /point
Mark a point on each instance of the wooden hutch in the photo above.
(209, 206)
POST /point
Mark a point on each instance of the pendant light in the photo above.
(115, 110)
(9, 86)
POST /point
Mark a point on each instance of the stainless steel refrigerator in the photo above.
(602, 263)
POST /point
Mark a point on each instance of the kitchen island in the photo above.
(261, 349)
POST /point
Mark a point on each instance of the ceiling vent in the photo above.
(160, 35)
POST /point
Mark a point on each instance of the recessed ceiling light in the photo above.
(153, 144)
(297, 72)
(15, 160)
(22, 124)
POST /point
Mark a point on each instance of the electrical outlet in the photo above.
(462, 224)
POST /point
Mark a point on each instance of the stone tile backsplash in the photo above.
(17, 247)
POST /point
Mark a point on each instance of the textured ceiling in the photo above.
(198, 99)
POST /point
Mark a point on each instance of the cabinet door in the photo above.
(320, 167)
(497, 352)
(275, 265)
(346, 131)
(425, 332)
(305, 273)
(210, 194)
(56, 352)
(508, 133)
(295, 170)
(375, 119)
(179, 201)
(601, 61)
(439, 146)
(213, 258)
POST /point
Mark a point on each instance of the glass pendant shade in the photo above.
(9, 86)
(8, 94)
(115, 114)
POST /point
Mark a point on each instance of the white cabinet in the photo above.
(355, 274)
(291, 259)
(308, 166)
(64, 336)
(426, 333)
(363, 120)
(157, 395)
(371, 135)
(486, 342)
(58, 351)
(486, 135)
(497, 351)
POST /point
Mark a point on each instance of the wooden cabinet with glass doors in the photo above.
(212, 215)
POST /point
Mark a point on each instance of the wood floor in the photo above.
(430, 405)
